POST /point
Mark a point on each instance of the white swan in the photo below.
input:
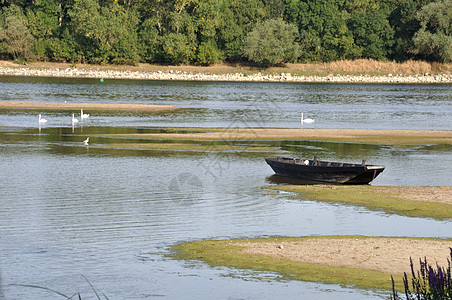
(74, 120)
(82, 115)
(307, 120)
(41, 120)
(85, 142)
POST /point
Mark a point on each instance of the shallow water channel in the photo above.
(69, 210)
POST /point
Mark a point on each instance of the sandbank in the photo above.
(361, 261)
(412, 201)
(372, 136)
(386, 254)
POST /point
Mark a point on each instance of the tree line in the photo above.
(264, 32)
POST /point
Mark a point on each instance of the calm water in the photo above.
(69, 210)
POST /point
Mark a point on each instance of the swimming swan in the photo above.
(82, 115)
(307, 120)
(74, 120)
(41, 120)
(85, 142)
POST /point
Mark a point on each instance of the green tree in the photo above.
(208, 53)
(272, 42)
(43, 19)
(177, 48)
(434, 39)
(274, 8)
(236, 19)
(63, 48)
(324, 34)
(104, 34)
(15, 37)
(369, 25)
(403, 20)
(149, 41)
(372, 32)
(206, 17)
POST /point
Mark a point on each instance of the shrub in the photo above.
(15, 37)
(208, 53)
(272, 43)
(434, 38)
(177, 48)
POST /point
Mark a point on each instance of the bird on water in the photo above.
(41, 120)
(307, 120)
(82, 115)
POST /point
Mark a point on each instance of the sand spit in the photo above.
(238, 77)
(377, 136)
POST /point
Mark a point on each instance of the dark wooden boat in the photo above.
(324, 171)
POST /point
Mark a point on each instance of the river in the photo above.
(70, 211)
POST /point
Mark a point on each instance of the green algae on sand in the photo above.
(360, 261)
(413, 201)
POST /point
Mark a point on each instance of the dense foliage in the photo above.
(265, 32)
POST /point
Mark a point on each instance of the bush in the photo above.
(176, 48)
(272, 43)
(15, 37)
(208, 53)
(434, 39)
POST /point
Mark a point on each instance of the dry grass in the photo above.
(353, 67)
(408, 67)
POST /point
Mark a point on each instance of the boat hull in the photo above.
(324, 172)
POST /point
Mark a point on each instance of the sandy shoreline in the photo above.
(437, 194)
(362, 261)
(388, 255)
(10, 69)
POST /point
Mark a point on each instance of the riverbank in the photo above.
(362, 71)
(364, 262)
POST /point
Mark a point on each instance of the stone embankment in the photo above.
(187, 76)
